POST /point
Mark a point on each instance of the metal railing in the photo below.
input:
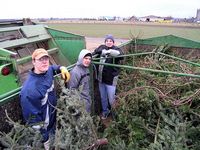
(154, 70)
(5, 97)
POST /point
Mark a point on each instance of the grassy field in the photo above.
(129, 31)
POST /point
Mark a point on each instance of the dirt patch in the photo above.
(92, 42)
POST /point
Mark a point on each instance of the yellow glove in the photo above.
(65, 73)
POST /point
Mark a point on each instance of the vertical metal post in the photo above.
(92, 89)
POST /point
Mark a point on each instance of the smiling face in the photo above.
(41, 65)
(87, 61)
(109, 43)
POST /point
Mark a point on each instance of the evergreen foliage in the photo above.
(21, 137)
(75, 128)
(156, 111)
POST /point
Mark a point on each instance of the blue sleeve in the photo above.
(31, 108)
(56, 69)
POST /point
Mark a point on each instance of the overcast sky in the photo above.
(18, 9)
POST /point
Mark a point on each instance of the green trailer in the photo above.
(17, 42)
(17, 45)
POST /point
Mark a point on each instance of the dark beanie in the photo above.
(109, 36)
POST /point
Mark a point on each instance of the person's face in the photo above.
(41, 65)
(86, 61)
(109, 43)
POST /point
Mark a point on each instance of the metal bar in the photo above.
(136, 54)
(23, 41)
(7, 53)
(92, 89)
(8, 29)
(2, 66)
(150, 70)
(4, 58)
(8, 98)
(127, 55)
(68, 68)
(174, 57)
(5, 97)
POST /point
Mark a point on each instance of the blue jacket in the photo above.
(38, 99)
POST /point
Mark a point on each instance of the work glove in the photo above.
(65, 73)
(114, 52)
(110, 52)
(105, 52)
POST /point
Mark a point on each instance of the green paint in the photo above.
(65, 47)
(170, 40)
(8, 83)
(69, 44)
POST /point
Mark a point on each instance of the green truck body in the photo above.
(16, 46)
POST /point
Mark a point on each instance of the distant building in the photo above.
(151, 18)
(105, 18)
(133, 18)
(159, 19)
(110, 18)
(198, 15)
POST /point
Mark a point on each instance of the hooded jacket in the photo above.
(79, 79)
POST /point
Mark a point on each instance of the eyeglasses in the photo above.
(44, 58)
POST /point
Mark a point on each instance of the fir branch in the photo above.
(186, 100)
(156, 133)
